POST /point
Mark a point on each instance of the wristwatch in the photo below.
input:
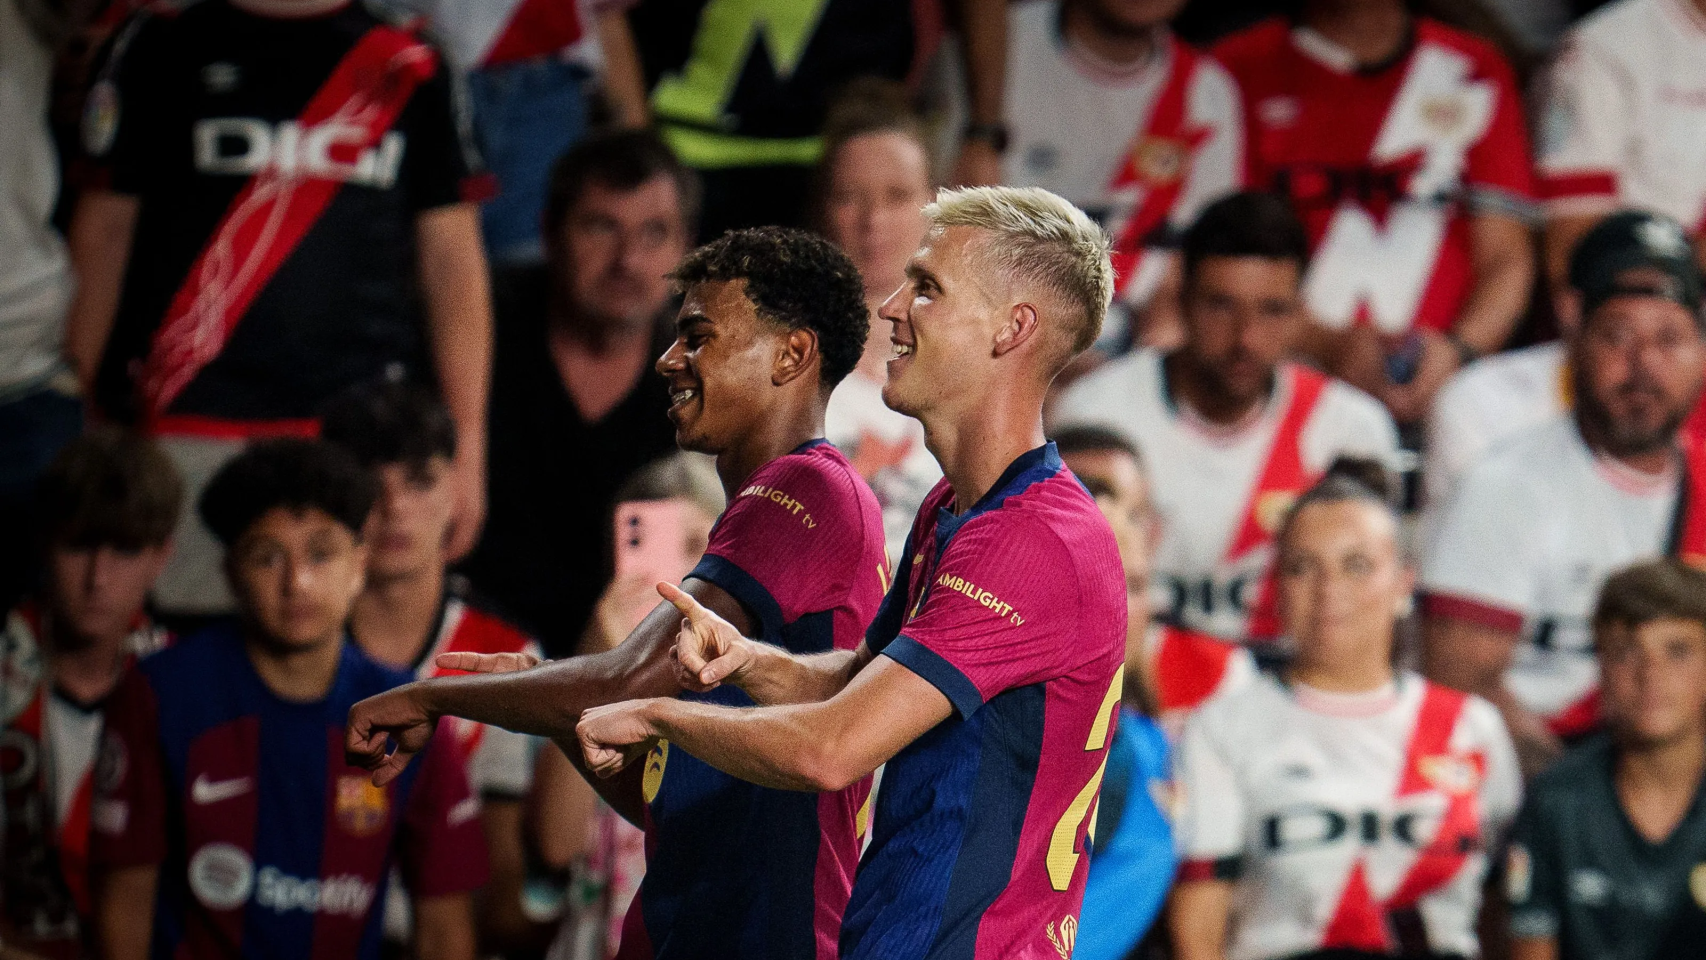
(994, 134)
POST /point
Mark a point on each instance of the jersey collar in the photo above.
(1032, 466)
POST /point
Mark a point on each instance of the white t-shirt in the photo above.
(1524, 544)
(1202, 478)
(1075, 125)
(1302, 795)
(1484, 404)
(888, 450)
(1624, 119)
(35, 272)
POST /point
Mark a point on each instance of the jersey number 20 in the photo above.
(1063, 843)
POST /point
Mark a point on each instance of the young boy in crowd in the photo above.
(1609, 853)
(226, 823)
(106, 508)
(411, 610)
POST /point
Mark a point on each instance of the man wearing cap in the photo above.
(1514, 558)
(1497, 396)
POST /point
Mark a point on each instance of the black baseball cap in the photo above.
(1633, 252)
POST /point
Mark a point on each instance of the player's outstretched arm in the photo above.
(385, 731)
(814, 746)
(710, 651)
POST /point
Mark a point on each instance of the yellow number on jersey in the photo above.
(656, 759)
(1063, 843)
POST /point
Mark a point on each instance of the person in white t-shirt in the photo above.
(1623, 122)
(1344, 808)
(1106, 107)
(1498, 396)
(1515, 557)
(873, 183)
(1232, 432)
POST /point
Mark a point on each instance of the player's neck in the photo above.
(776, 434)
(976, 447)
(393, 618)
(288, 9)
(294, 674)
(1372, 33)
(1192, 391)
(1656, 783)
(1119, 49)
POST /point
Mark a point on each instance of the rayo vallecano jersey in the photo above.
(1385, 165)
(1485, 403)
(1142, 150)
(1624, 121)
(1524, 544)
(1220, 494)
(1356, 821)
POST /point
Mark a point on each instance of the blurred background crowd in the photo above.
(1431, 268)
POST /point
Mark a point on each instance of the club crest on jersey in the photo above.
(652, 780)
(1272, 507)
(362, 808)
(1445, 114)
(1519, 873)
(1160, 161)
(1279, 111)
(1697, 884)
(1452, 774)
(1066, 937)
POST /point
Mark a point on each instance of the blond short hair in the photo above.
(1035, 235)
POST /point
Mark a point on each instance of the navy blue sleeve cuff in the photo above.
(745, 588)
(944, 676)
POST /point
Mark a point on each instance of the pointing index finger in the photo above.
(683, 601)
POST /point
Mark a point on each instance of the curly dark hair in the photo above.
(288, 472)
(796, 279)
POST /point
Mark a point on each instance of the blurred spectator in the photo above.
(1605, 858)
(1132, 864)
(106, 507)
(234, 272)
(871, 190)
(740, 90)
(226, 823)
(409, 614)
(38, 406)
(1400, 142)
(1113, 112)
(576, 830)
(1517, 554)
(1623, 122)
(531, 68)
(576, 403)
(1497, 396)
(1231, 430)
(1346, 808)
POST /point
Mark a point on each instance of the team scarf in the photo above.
(365, 92)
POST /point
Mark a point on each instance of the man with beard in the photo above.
(1512, 566)
(572, 378)
(1231, 431)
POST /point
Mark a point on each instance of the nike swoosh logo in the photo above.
(205, 791)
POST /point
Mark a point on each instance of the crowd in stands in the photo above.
(338, 342)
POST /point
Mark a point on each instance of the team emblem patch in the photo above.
(111, 764)
(1452, 774)
(1159, 161)
(362, 808)
(1271, 509)
(1067, 936)
(1519, 873)
(1445, 114)
(1697, 884)
(100, 118)
(656, 759)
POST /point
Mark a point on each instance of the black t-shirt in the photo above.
(190, 105)
(727, 69)
(552, 477)
(1581, 873)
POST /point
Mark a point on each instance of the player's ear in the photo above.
(1023, 323)
(797, 355)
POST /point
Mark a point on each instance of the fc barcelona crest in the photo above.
(362, 808)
